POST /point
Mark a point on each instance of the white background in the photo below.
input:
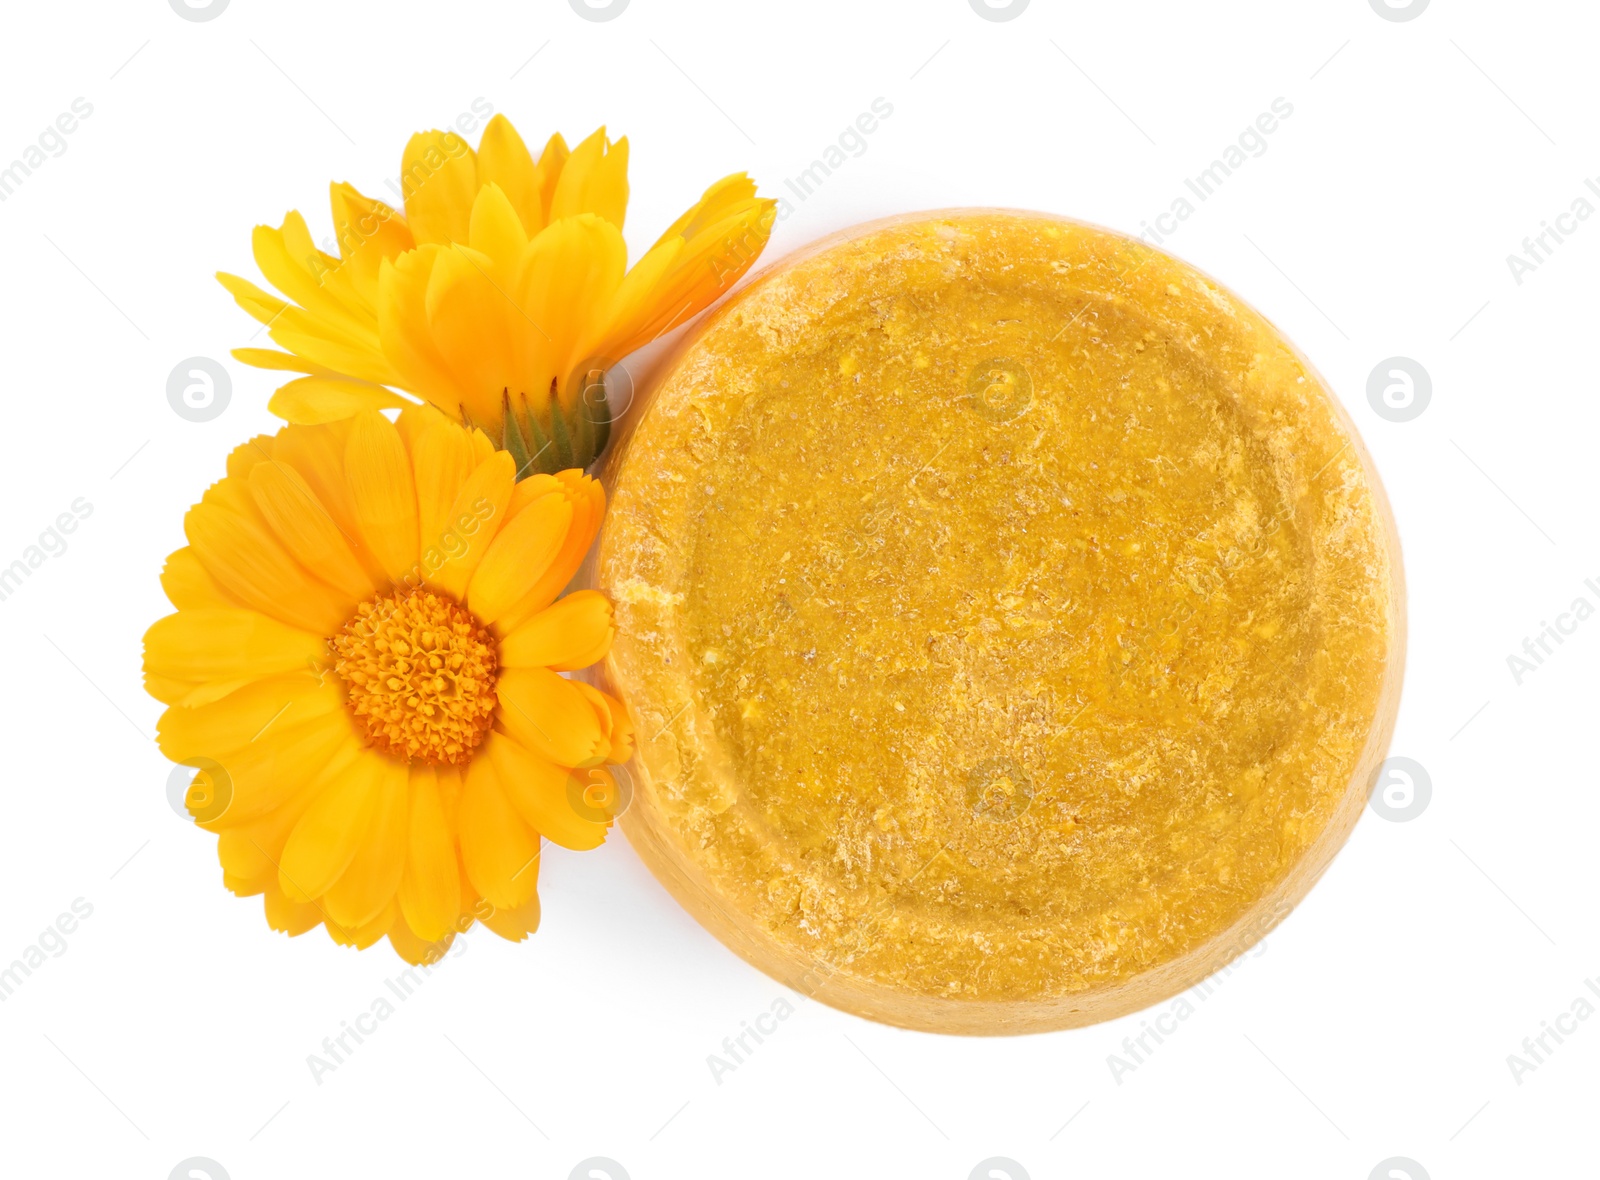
(1376, 1022)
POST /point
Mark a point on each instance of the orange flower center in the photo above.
(421, 672)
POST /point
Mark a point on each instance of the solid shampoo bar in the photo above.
(1011, 619)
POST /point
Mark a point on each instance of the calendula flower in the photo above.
(500, 297)
(364, 666)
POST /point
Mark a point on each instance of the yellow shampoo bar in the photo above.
(1011, 618)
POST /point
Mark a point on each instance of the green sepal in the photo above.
(538, 442)
(596, 413)
(538, 447)
(583, 431)
(511, 440)
(560, 435)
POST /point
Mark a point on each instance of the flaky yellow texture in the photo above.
(1005, 611)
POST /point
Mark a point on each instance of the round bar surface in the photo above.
(1011, 619)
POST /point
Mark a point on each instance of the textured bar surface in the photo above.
(1010, 617)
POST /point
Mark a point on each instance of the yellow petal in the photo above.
(449, 782)
(384, 495)
(720, 198)
(219, 645)
(551, 716)
(247, 561)
(622, 733)
(442, 458)
(531, 489)
(518, 556)
(452, 556)
(570, 634)
(637, 311)
(177, 692)
(496, 229)
(327, 348)
(503, 160)
(253, 849)
(244, 886)
(430, 889)
(615, 719)
(307, 529)
(514, 925)
(256, 302)
(700, 256)
(368, 231)
(603, 717)
(293, 265)
(290, 917)
(416, 950)
(188, 586)
(716, 242)
(475, 327)
(278, 769)
(552, 160)
(481, 446)
(540, 791)
(407, 335)
(594, 179)
(219, 729)
(570, 275)
(240, 460)
(499, 850)
(361, 937)
(333, 830)
(439, 178)
(588, 500)
(311, 400)
(368, 886)
(288, 362)
(317, 454)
